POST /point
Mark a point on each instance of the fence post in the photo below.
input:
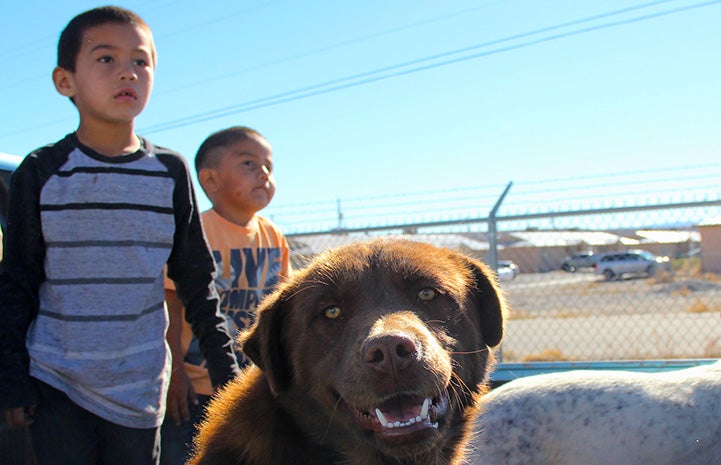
(493, 247)
(492, 231)
(340, 214)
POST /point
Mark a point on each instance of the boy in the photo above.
(93, 219)
(235, 169)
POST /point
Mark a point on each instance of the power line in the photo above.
(225, 17)
(37, 46)
(326, 48)
(491, 192)
(396, 70)
(418, 65)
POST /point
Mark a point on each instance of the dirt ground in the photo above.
(579, 316)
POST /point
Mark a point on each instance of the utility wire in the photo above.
(326, 48)
(397, 70)
(650, 176)
(38, 46)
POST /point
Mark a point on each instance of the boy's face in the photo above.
(243, 179)
(113, 76)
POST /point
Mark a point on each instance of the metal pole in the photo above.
(340, 214)
(492, 231)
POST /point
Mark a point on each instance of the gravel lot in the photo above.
(579, 316)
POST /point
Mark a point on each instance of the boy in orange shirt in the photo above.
(235, 169)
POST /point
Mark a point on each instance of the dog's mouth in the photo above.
(403, 418)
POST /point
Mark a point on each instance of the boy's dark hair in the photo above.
(71, 39)
(223, 138)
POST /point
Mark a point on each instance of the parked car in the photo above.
(579, 260)
(616, 264)
(8, 163)
(507, 270)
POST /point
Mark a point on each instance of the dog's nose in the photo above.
(389, 353)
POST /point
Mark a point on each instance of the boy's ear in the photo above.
(63, 80)
(208, 180)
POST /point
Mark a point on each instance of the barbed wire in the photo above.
(645, 187)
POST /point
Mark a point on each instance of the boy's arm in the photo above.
(181, 391)
(21, 273)
(192, 268)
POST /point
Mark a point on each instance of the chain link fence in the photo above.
(574, 313)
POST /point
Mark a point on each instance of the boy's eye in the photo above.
(141, 62)
(105, 59)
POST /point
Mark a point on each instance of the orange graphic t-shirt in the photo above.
(250, 262)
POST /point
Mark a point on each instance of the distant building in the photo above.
(711, 245)
(532, 251)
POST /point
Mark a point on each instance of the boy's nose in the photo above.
(128, 74)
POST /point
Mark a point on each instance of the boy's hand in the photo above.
(180, 392)
(20, 416)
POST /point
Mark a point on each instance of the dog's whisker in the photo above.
(330, 420)
(470, 352)
(309, 285)
(454, 388)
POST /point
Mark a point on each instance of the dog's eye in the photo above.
(427, 294)
(333, 312)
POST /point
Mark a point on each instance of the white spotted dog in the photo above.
(603, 418)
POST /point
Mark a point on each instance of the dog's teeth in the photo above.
(397, 424)
(424, 409)
(381, 418)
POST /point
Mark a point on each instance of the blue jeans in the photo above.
(176, 441)
(65, 434)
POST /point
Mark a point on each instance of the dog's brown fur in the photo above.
(371, 326)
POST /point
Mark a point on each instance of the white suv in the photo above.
(615, 264)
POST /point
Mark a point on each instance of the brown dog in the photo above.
(376, 353)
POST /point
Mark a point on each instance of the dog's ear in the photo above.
(490, 301)
(263, 343)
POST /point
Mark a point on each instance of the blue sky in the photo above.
(440, 103)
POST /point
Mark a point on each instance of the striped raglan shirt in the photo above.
(87, 239)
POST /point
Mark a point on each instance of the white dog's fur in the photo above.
(603, 418)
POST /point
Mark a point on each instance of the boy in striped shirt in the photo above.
(93, 220)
